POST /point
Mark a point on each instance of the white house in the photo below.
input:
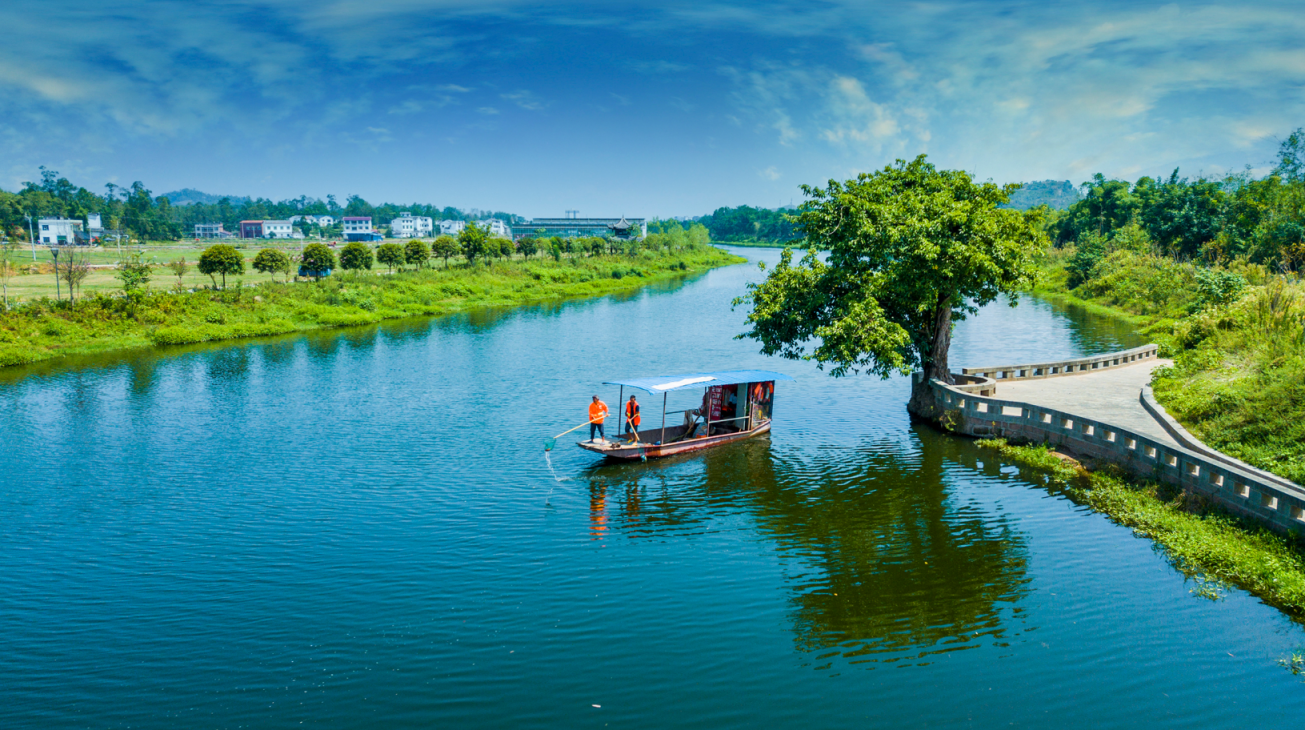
(357, 224)
(322, 220)
(58, 230)
(497, 228)
(452, 228)
(278, 229)
(408, 225)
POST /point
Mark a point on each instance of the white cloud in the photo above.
(770, 173)
(525, 100)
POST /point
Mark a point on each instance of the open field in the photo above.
(26, 286)
(43, 328)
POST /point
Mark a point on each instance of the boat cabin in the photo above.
(735, 405)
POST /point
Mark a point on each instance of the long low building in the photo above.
(583, 228)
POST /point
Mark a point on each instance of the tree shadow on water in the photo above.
(885, 563)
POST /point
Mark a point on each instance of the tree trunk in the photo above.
(934, 365)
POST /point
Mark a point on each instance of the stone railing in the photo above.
(1266, 498)
(1076, 366)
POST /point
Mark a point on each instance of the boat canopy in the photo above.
(667, 383)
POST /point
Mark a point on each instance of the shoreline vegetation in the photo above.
(46, 329)
(1207, 544)
(1236, 334)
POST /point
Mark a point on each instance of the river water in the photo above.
(359, 529)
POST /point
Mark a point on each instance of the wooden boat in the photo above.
(736, 405)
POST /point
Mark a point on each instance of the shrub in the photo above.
(1218, 288)
(221, 259)
(134, 273)
(356, 256)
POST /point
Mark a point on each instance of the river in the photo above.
(358, 529)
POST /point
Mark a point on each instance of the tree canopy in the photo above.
(316, 260)
(445, 247)
(219, 260)
(416, 253)
(390, 254)
(912, 249)
(272, 261)
(355, 256)
(476, 243)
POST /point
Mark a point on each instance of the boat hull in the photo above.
(626, 451)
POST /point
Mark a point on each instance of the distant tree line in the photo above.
(743, 224)
(1208, 220)
(136, 212)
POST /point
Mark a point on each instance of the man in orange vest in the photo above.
(597, 412)
(632, 415)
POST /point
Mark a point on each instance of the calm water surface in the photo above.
(359, 529)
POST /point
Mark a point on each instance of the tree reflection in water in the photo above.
(885, 563)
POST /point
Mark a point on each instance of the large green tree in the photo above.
(912, 250)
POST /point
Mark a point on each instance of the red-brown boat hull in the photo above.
(627, 451)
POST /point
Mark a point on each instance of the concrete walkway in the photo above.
(1110, 396)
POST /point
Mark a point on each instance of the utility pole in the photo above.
(55, 252)
(31, 236)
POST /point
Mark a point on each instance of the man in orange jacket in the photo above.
(632, 416)
(597, 412)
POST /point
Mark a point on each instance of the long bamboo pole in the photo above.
(662, 440)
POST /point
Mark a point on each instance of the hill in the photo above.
(189, 196)
(1055, 194)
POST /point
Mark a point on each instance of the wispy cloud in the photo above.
(525, 99)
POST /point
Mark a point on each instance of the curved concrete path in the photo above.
(1111, 396)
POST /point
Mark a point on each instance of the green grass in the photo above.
(1199, 539)
(1238, 381)
(45, 329)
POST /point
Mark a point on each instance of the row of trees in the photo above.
(1210, 220)
(474, 244)
(138, 213)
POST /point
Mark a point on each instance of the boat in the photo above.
(736, 405)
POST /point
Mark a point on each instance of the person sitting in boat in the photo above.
(632, 415)
(730, 411)
(597, 414)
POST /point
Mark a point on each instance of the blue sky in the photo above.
(655, 109)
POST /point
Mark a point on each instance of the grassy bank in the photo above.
(1237, 336)
(46, 329)
(1205, 543)
(798, 245)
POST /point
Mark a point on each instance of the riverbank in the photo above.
(46, 329)
(1202, 541)
(1237, 337)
